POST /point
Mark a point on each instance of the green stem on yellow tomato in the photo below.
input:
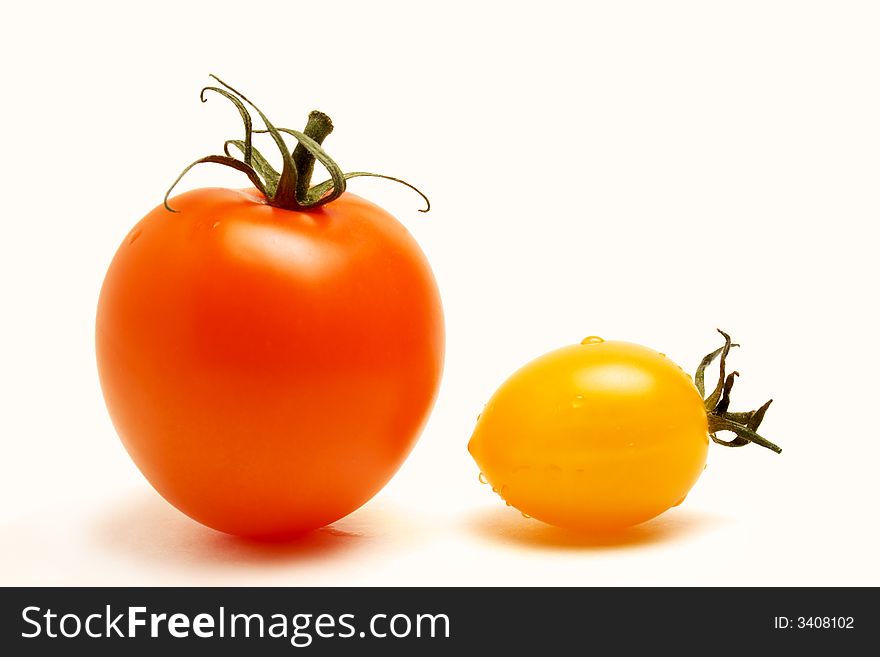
(744, 425)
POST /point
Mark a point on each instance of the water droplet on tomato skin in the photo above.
(483, 479)
(680, 501)
(592, 339)
(133, 235)
(578, 401)
(525, 515)
(215, 224)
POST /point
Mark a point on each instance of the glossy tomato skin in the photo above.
(595, 436)
(268, 370)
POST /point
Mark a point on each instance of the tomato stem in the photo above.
(290, 189)
(318, 127)
(744, 425)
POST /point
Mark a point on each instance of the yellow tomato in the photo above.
(595, 436)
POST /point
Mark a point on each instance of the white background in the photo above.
(637, 170)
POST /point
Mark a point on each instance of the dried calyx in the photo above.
(744, 425)
(290, 189)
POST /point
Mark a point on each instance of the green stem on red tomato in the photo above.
(291, 189)
(318, 127)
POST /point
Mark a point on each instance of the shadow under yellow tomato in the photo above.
(594, 436)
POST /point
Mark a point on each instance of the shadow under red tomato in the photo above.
(144, 528)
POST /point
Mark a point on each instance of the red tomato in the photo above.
(268, 370)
